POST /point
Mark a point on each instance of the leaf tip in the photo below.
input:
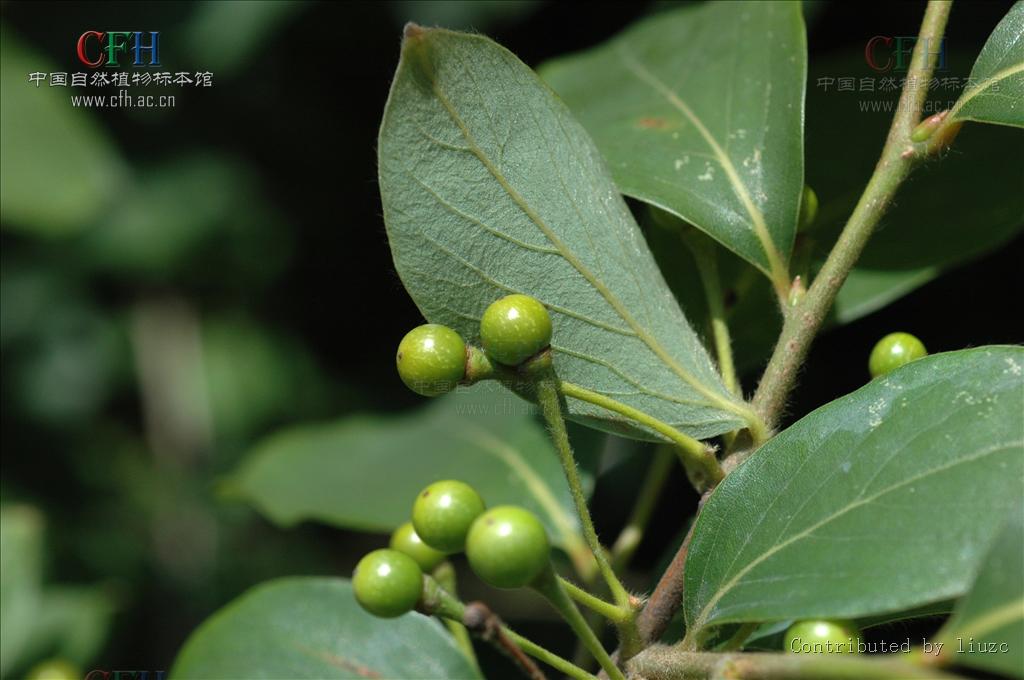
(413, 31)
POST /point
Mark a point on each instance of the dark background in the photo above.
(303, 263)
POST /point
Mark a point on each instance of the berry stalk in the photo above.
(698, 458)
(552, 405)
(551, 588)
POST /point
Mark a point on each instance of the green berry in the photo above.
(387, 583)
(808, 208)
(893, 351)
(431, 359)
(515, 328)
(443, 513)
(406, 540)
(508, 547)
(822, 637)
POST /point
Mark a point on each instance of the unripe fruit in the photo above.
(387, 583)
(515, 328)
(822, 637)
(431, 359)
(508, 547)
(443, 513)
(893, 351)
(406, 540)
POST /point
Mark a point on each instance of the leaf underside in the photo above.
(489, 187)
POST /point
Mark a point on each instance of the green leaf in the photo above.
(312, 628)
(879, 501)
(364, 472)
(489, 186)
(21, 529)
(60, 169)
(700, 111)
(992, 613)
(996, 93)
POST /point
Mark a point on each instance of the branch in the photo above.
(667, 597)
(668, 663)
(898, 158)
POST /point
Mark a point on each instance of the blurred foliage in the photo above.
(61, 185)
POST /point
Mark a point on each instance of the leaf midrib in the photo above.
(967, 97)
(776, 269)
(994, 619)
(713, 398)
(725, 588)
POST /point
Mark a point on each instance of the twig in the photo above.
(668, 663)
(803, 321)
(479, 619)
(668, 594)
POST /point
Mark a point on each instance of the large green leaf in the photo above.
(879, 501)
(700, 111)
(312, 628)
(489, 186)
(60, 169)
(987, 627)
(364, 472)
(996, 91)
(21, 547)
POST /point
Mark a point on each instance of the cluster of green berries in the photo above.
(432, 359)
(822, 637)
(507, 547)
(893, 351)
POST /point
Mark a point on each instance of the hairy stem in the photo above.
(668, 663)
(698, 458)
(444, 574)
(551, 588)
(552, 407)
(804, 320)
(550, 658)
(478, 618)
(667, 597)
(608, 610)
(706, 257)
